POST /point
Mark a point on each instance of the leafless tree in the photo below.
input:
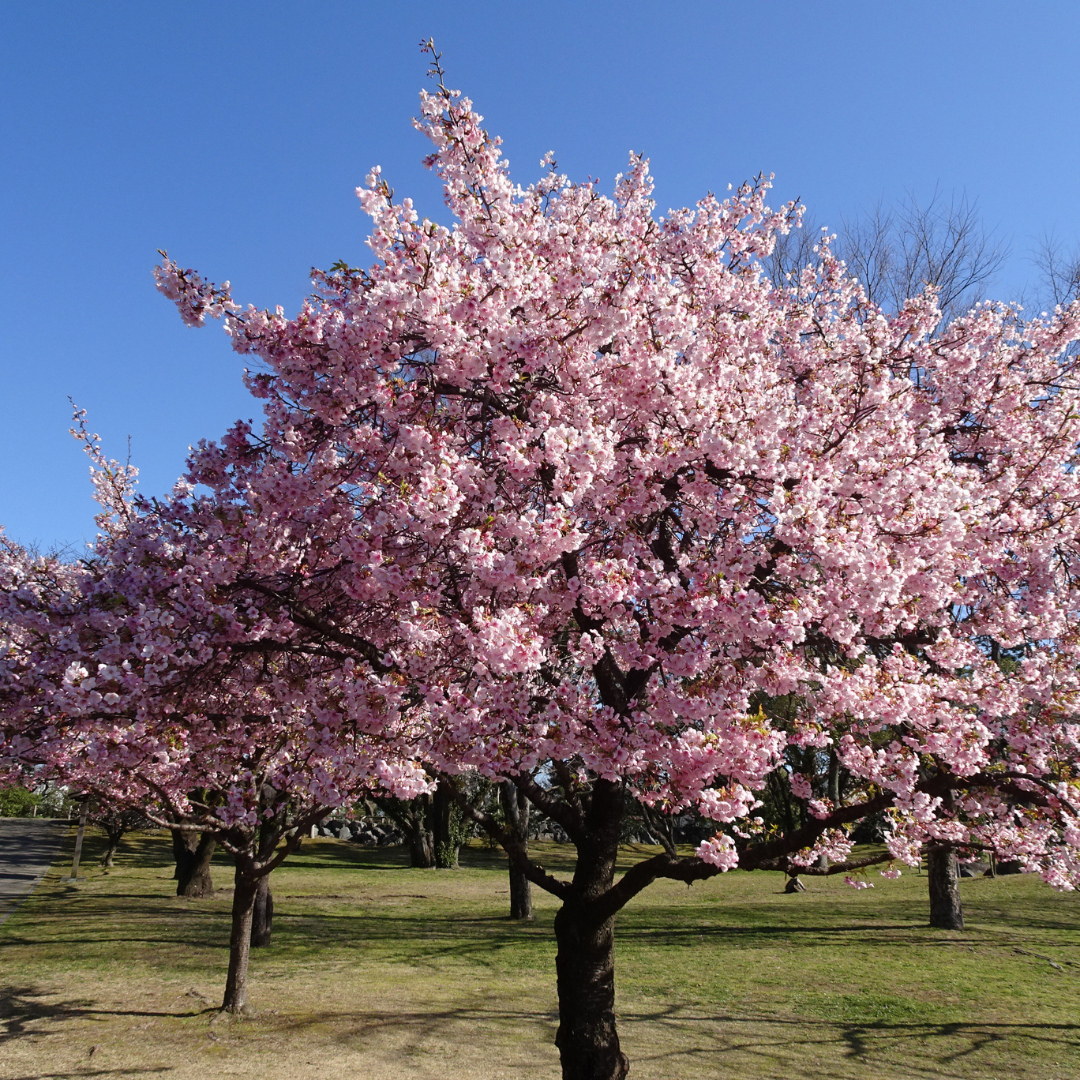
(1059, 270)
(895, 252)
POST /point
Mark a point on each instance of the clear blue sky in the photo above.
(234, 134)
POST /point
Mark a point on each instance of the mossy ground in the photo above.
(380, 971)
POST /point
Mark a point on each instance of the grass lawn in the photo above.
(379, 971)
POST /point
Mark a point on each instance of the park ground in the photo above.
(381, 972)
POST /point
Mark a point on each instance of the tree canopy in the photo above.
(575, 496)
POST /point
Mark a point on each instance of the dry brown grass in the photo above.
(379, 972)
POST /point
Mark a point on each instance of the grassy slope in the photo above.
(381, 971)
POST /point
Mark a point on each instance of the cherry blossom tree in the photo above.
(572, 491)
(139, 677)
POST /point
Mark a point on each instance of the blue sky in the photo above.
(234, 134)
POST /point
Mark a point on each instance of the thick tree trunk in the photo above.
(262, 916)
(516, 811)
(944, 882)
(447, 842)
(193, 852)
(183, 843)
(421, 848)
(520, 895)
(587, 1039)
(243, 910)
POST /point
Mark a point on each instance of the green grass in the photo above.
(378, 970)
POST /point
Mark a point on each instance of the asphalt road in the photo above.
(28, 847)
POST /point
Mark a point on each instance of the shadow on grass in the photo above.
(704, 1037)
(802, 1039)
(24, 1005)
(80, 1073)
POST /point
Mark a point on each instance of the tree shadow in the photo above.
(21, 1006)
(81, 1073)
(723, 1035)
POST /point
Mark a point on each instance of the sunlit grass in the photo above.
(378, 970)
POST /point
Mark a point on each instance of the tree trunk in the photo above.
(447, 841)
(262, 916)
(421, 834)
(944, 881)
(587, 1039)
(520, 895)
(585, 963)
(421, 848)
(243, 909)
(110, 851)
(193, 853)
(262, 919)
(516, 810)
(834, 778)
(413, 818)
(182, 843)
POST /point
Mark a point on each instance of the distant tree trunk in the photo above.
(193, 852)
(413, 818)
(243, 908)
(447, 839)
(516, 810)
(944, 882)
(421, 847)
(262, 919)
(834, 778)
(262, 916)
(421, 834)
(114, 833)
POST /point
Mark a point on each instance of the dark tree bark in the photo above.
(243, 909)
(193, 852)
(447, 841)
(585, 934)
(262, 916)
(182, 843)
(414, 818)
(421, 833)
(114, 834)
(516, 811)
(262, 919)
(422, 848)
(943, 878)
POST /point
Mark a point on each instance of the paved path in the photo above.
(28, 847)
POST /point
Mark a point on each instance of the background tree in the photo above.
(18, 801)
(1059, 270)
(135, 676)
(897, 252)
(514, 804)
(193, 853)
(414, 818)
(115, 822)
